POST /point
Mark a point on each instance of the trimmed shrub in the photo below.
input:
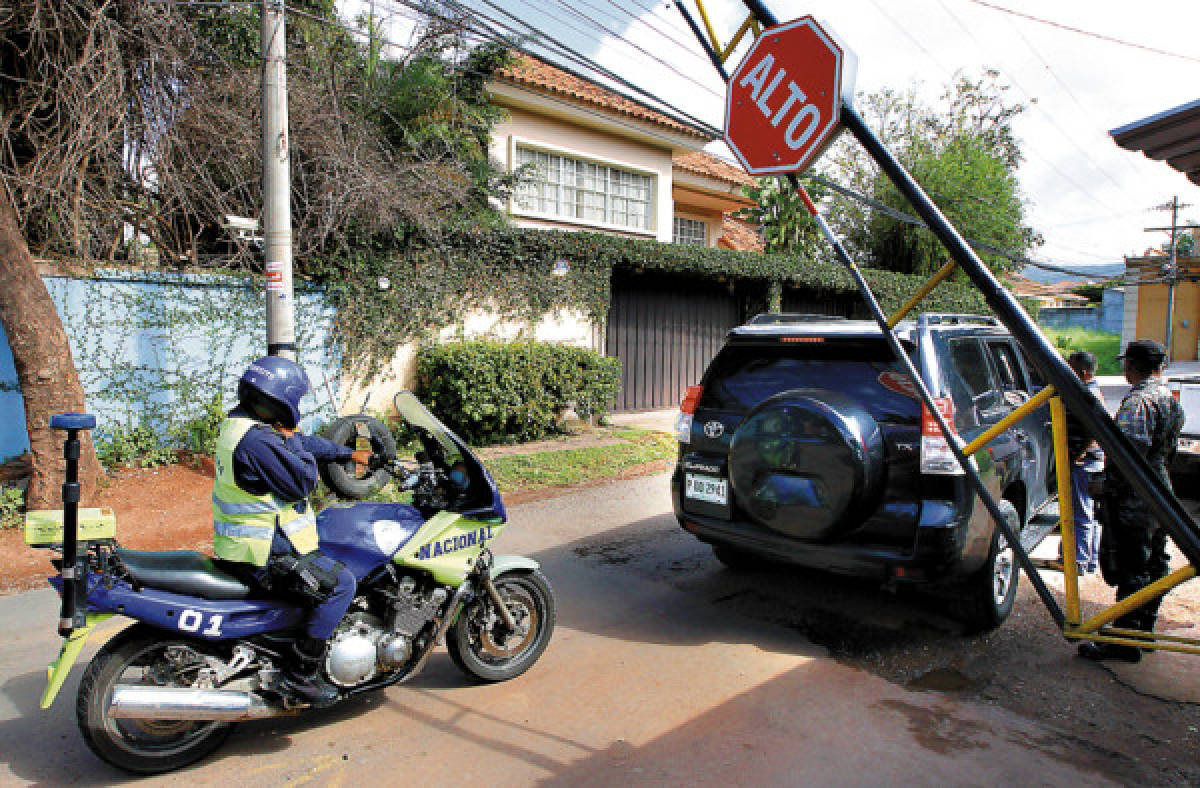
(505, 392)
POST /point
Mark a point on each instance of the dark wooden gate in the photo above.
(665, 331)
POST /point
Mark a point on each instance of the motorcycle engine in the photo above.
(352, 652)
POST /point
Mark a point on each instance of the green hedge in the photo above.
(433, 278)
(493, 392)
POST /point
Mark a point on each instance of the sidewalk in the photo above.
(661, 420)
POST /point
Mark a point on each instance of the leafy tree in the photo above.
(786, 224)
(965, 156)
(1094, 293)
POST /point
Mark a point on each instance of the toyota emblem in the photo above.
(714, 429)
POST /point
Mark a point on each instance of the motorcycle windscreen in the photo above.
(483, 497)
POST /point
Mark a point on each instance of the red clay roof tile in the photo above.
(535, 73)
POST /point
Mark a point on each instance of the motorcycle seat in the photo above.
(183, 572)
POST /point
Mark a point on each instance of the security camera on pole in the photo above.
(277, 209)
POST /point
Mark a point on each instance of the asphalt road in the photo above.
(665, 669)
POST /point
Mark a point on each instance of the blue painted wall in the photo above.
(14, 439)
(1106, 316)
(131, 333)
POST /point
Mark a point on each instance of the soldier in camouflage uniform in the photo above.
(1152, 420)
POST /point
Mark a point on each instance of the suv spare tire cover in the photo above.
(808, 463)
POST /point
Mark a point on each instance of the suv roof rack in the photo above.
(958, 319)
(782, 318)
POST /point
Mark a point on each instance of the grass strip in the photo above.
(572, 466)
(1106, 346)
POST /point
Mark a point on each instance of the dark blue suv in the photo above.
(806, 443)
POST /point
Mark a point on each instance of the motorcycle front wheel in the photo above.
(140, 655)
(483, 647)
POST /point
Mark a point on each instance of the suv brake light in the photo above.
(1176, 388)
(936, 455)
(683, 423)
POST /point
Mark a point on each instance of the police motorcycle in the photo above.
(206, 649)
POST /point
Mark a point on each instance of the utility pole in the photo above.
(1172, 272)
(277, 191)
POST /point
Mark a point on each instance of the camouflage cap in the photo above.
(1145, 350)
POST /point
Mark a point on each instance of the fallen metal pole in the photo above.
(1013, 538)
(1161, 502)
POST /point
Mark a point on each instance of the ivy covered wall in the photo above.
(432, 279)
(153, 349)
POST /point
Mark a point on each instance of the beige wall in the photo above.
(568, 327)
(567, 138)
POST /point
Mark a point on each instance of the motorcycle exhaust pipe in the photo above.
(130, 702)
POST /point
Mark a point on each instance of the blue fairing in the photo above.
(211, 619)
(364, 535)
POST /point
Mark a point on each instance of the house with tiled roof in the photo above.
(599, 161)
(603, 162)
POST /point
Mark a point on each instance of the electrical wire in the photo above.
(688, 46)
(590, 20)
(1088, 33)
(1079, 187)
(1011, 75)
(664, 107)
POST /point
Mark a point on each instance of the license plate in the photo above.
(706, 488)
(1189, 444)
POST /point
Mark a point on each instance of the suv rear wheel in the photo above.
(987, 597)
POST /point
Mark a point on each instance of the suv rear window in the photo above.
(743, 375)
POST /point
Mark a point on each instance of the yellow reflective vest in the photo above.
(244, 523)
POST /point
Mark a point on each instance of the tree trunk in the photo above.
(45, 367)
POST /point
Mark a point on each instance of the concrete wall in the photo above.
(1108, 316)
(125, 336)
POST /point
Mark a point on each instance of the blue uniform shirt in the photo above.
(265, 462)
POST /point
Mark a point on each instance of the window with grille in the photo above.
(576, 189)
(689, 232)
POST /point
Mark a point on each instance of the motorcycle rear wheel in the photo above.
(141, 746)
(480, 644)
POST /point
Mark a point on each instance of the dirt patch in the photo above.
(170, 508)
(167, 508)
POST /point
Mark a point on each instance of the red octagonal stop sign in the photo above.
(784, 98)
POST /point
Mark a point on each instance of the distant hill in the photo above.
(1094, 272)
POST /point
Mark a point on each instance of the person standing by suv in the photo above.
(1087, 461)
(1152, 419)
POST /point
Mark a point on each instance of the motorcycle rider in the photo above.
(262, 521)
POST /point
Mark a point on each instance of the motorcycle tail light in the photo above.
(683, 423)
(936, 454)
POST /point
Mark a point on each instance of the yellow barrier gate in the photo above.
(1120, 452)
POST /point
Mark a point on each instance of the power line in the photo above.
(1089, 193)
(664, 107)
(639, 48)
(687, 46)
(1088, 33)
(1029, 96)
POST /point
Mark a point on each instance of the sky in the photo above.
(1090, 200)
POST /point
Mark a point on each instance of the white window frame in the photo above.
(514, 209)
(703, 230)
